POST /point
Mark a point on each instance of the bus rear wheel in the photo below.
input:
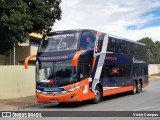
(134, 91)
(139, 87)
(97, 96)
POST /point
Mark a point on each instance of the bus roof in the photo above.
(126, 39)
(102, 32)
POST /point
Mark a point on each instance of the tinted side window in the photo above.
(112, 71)
(132, 49)
(111, 45)
(128, 47)
(103, 73)
(98, 44)
(137, 49)
(87, 40)
(118, 46)
(125, 70)
(124, 47)
(84, 70)
(117, 70)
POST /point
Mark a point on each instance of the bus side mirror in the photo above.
(27, 59)
(76, 57)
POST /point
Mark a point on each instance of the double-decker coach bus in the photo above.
(78, 65)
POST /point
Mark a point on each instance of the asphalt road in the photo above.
(147, 100)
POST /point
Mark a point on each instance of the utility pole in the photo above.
(14, 55)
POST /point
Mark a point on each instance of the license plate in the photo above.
(54, 101)
(54, 89)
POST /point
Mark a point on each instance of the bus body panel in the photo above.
(119, 69)
(80, 94)
(117, 90)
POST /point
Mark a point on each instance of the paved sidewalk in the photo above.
(14, 104)
(154, 77)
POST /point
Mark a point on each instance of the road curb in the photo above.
(154, 77)
(19, 103)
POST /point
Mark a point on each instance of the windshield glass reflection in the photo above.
(59, 42)
(61, 73)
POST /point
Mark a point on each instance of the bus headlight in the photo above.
(38, 91)
(75, 88)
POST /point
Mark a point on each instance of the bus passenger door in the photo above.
(99, 57)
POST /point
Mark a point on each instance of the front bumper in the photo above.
(73, 96)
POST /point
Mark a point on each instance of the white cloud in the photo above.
(151, 32)
(111, 16)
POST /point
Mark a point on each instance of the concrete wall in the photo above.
(21, 53)
(25, 51)
(16, 82)
(5, 60)
(33, 51)
(153, 68)
(2, 60)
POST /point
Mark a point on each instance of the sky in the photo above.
(132, 19)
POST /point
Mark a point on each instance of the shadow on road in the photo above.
(83, 103)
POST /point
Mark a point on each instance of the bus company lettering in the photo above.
(55, 58)
(111, 58)
(138, 61)
(63, 35)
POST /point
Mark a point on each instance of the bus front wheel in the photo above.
(97, 95)
(62, 103)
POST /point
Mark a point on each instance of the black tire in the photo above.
(134, 91)
(139, 87)
(62, 103)
(98, 95)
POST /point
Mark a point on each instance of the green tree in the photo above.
(153, 50)
(20, 17)
(157, 43)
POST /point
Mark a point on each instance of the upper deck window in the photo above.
(123, 46)
(87, 40)
(59, 42)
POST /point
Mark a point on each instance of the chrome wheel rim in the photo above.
(97, 94)
(139, 87)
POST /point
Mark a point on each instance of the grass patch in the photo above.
(157, 74)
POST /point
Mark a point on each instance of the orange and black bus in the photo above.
(78, 65)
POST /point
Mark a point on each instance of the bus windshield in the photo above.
(59, 42)
(61, 72)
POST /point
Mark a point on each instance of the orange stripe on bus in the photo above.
(76, 56)
(145, 85)
(117, 90)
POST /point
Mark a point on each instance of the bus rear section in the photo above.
(78, 65)
(121, 66)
